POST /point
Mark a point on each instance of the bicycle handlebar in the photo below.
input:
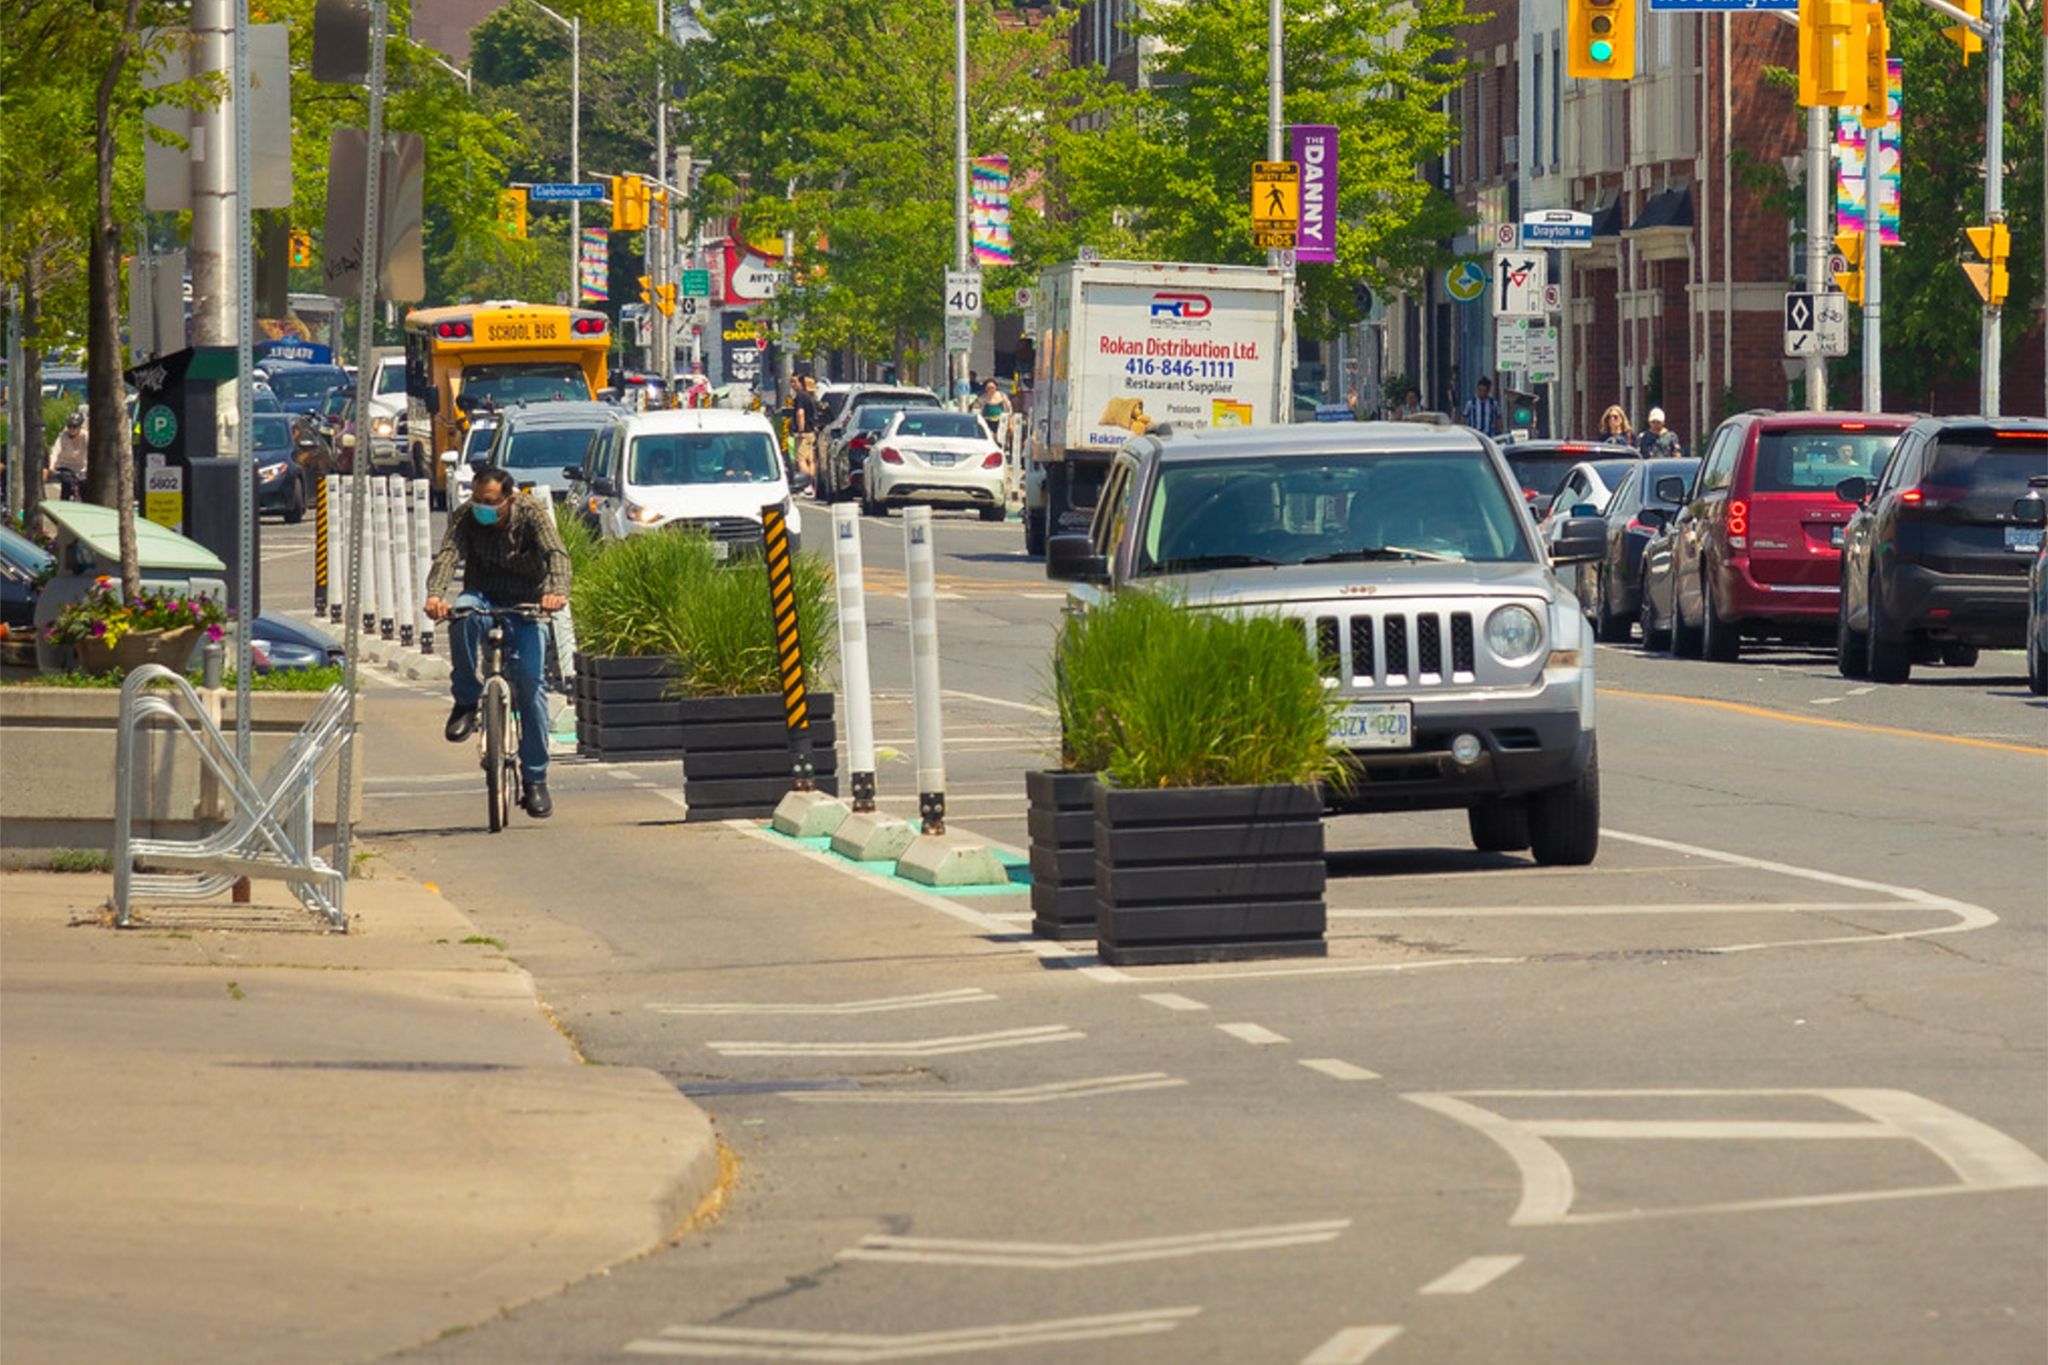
(529, 610)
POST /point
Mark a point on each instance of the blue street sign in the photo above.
(1732, 6)
(1568, 234)
(545, 193)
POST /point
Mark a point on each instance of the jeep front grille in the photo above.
(1395, 649)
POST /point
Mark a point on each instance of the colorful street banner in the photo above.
(1852, 153)
(991, 212)
(1314, 147)
(594, 266)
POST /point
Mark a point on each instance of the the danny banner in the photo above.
(594, 266)
(1314, 150)
(1853, 154)
(991, 211)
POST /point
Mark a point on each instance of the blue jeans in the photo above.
(523, 662)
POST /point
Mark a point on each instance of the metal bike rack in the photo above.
(270, 831)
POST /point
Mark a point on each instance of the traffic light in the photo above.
(647, 289)
(1521, 411)
(1603, 39)
(665, 299)
(512, 213)
(629, 203)
(1990, 276)
(1877, 40)
(1962, 36)
(660, 209)
(1850, 281)
(301, 249)
(1831, 68)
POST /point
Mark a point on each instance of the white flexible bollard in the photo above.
(380, 552)
(332, 527)
(405, 606)
(423, 558)
(864, 835)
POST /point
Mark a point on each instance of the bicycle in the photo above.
(497, 721)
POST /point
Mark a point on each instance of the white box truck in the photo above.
(1127, 346)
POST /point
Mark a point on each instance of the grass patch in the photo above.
(486, 940)
(235, 991)
(81, 860)
(1153, 694)
(577, 538)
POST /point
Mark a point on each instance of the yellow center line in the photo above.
(1765, 713)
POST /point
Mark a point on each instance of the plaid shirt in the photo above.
(516, 562)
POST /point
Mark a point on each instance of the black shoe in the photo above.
(461, 723)
(534, 800)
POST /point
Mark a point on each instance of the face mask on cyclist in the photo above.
(487, 513)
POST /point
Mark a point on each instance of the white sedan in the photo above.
(935, 456)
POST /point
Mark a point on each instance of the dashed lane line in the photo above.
(1087, 1255)
(1258, 1035)
(1471, 1276)
(966, 995)
(1168, 1000)
(768, 1343)
(912, 1047)
(1338, 1069)
(1049, 1093)
(1351, 1346)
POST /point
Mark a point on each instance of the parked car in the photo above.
(842, 466)
(703, 468)
(536, 442)
(1463, 669)
(936, 457)
(1541, 466)
(2037, 625)
(1936, 557)
(1585, 491)
(24, 565)
(278, 643)
(844, 422)
(281, 480)
(1756, 548)
(303, 387)
(1610, 587)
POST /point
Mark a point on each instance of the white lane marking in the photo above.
(1168, 1000)
(1824, 701)
(912, 1047)
(966, 995)
(1860, 691)
(1682, 908)
(767, 1343)
(1024, 1094)
(1338, 1069)
(1258, 1035)
(1471, 1276)
(1081, 1255)
(1983, 1158)
(1032, 707)
(1352, 1346)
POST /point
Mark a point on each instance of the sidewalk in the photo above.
(229, 1136)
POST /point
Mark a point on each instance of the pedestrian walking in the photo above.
(1482, 410)
(1615, 427)
(804, 420)
(1659, 441)
(67, 455)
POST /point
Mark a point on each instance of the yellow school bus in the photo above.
(467, 355)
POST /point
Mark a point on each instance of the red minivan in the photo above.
(1757, 548)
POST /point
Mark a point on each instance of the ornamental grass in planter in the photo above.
(679, 660)
(1211, 734)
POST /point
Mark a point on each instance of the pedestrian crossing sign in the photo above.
(1276, 203)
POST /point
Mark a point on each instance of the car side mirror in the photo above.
(1583, 539)
(450, 458)
(2030, 511)
(604, 488)
(574, 473)
(1072, 559)
(1654, 516)
(1853, 489)
(1671, 488)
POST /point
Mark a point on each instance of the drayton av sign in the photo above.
(1557, 227)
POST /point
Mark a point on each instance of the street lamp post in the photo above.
(574, 23)
(956, 361)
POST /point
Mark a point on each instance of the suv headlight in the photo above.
(383, 426)
(1514, 634)
(645, 516)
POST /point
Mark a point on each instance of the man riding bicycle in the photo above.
(512, 556)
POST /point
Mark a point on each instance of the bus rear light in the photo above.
(588, 327)
(452, 331)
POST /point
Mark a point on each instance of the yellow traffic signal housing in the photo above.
(1831, 65)
(1961, 36)
(647, 289)
(629, 203)
(1850, 281)
(665, 299)
(1990, 277)
(1877, 41)
(301, 249)
(1602, 46)
(512, 213)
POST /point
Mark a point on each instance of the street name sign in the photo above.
(1518, 281)
(1276, 204)
(1566, 228)
(563, 193)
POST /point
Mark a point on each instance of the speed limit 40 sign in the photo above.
(963, 293)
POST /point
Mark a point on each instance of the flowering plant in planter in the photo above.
(104, 617)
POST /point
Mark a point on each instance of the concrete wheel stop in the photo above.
(950, 860)
(810, 815)
(872, 837)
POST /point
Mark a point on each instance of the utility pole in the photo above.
(1994, 196)
(957, 360)
(1873, 278)
(1276, 89)
(215, 271)
(685, 225)
(661, 226)
(1818, 240)
(245, 341)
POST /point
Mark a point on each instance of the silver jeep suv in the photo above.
(1462, 667)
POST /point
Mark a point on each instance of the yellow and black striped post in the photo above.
(320, 546)
(789, 644)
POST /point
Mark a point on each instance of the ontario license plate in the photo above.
(1835, 537)
(938, 461)
(2024, 540)
(1373, 725)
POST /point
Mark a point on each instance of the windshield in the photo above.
(307, 383)
(1330, 509)
(390, 377)
(895, 398)
(505, 385)
(23, 553)
(1815, 461)
(550, 448)
(873, 419)
(270, 432)
(683, 457)
(957, 426)
(477, 443)
(1541, 471)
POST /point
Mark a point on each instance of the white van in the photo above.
(708, 468)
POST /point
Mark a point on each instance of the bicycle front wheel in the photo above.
(497, 753)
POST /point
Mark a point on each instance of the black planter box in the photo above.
(1208, 874)
(624, 713)
(1062, 823)
(736, 759)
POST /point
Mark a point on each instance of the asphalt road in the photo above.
(1766, 1083)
